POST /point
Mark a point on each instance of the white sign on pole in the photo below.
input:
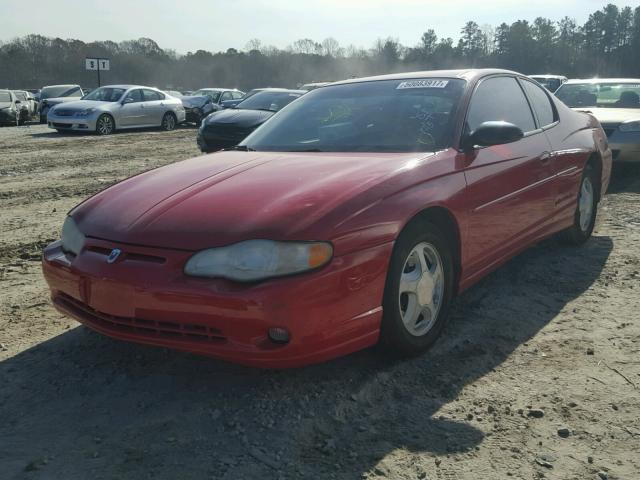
(91, 63)
(96, 64)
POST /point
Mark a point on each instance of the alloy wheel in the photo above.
(421, 289)
(169, 122)
(105, 125)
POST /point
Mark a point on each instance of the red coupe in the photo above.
(353, 216)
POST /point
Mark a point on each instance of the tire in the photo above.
(169, 122)
(105, 124)
(584, 219)
(416, 306)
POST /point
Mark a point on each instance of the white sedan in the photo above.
(118, 107)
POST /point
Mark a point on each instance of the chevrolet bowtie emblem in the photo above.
(113, 256)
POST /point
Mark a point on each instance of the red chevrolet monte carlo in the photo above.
(353, 216)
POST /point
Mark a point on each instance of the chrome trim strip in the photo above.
(524, 189)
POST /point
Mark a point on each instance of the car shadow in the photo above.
(55, 134)
(625, 178)
(84, 406)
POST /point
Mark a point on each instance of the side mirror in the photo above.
(492, 133)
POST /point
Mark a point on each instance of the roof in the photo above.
(125, 86)
(559, 77)
(217, 89)
(467, 74)
(70, 85)
(605, 80)
(284, 90)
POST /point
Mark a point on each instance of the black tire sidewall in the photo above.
(394, 337)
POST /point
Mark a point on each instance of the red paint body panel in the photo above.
(502, 198)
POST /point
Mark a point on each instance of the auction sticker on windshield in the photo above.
(423, 84)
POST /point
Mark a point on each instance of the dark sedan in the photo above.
(226, 128)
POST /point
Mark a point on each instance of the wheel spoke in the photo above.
(408, 283)
(412, 312)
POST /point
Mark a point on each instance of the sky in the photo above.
(216, 25)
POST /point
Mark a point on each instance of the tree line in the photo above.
(607, 45)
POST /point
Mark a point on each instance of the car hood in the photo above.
(239, 117)
(613, 115)
(83, 104)
(194, 101)
(227, 197)
(56, 100)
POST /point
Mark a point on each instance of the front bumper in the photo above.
(193, 115)
(144, 297)
(214, 137)
(82, 124)
(625, 146)
(7, 117)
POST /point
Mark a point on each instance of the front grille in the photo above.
(62, 125)
(125, 256)
(64, 113)
(226, 136)
(141, 327)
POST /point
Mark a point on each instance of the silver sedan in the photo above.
(117, 107)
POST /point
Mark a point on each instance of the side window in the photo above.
(225, 96)
(135, 95)
(150, 95)
(500, 98)
(237, 95)
(76, 92)
(541, 103)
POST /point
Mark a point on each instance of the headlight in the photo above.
(72, 237)
(85, 112)
(258, 259)
(633, 126)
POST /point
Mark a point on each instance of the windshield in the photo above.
(20, 96)
(105, 94)
(603, 95)
(271, 101)
(61, 91)
(5, 97)
(381, 116)
(212, 94)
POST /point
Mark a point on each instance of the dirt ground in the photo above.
(537, 375)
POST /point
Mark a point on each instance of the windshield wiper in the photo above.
(241, 148)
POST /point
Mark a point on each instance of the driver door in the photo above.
(510, 187)
(132, 111)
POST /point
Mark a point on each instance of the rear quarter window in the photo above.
(541, 103)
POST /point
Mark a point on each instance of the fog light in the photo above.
(279, 335)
